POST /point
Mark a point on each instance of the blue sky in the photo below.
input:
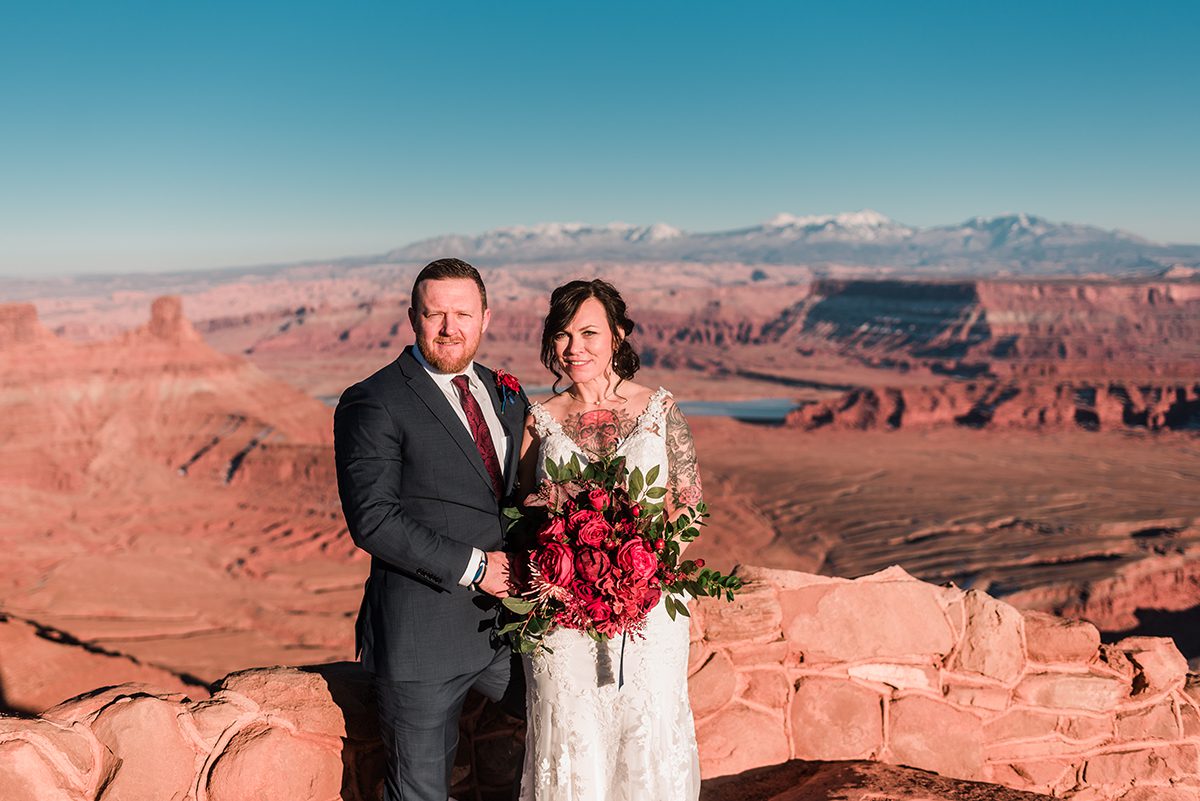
(156, 136)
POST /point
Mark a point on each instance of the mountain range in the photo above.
(1012, 244)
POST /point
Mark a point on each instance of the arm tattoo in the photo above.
(599, 432)
(683, 474)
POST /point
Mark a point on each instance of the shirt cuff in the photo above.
(468, 575)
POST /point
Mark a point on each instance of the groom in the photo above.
(426, 453)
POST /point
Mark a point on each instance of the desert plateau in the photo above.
(170, 513)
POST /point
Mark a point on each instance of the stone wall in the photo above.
(892, 669)
(883, 668)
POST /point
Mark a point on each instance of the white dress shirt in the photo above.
(499, 439)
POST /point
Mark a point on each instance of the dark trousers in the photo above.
(418, 721)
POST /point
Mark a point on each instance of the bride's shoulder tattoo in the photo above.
(599, 431)
(683, 472)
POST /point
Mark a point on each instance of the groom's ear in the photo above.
(487, 318)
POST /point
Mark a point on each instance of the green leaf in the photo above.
(656, 492)
(518, 605)
(551, 468)
(512, 513)
(670, 605)
(682, 607)
(652, 474)
(635, 484)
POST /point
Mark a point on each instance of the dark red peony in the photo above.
(594, 566)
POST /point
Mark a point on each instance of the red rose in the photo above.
(556, 563)
(590, 527)
(649, 599)
(599, 611)
(584, 592)
(554, 530)
(636, 560)
(508, 381)
(595, 567)
(599, 499)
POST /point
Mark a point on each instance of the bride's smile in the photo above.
(585, 350)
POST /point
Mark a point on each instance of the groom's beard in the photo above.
(444, 362)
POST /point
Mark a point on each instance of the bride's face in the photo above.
(585, 347)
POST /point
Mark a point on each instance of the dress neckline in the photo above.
(654, 400)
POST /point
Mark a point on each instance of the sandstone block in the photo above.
(1071, 691)
(303, 697)
(87, 706)
(902, 677)
(760, 654)
(867, 621)
(1190, 718)
(993, 643)
(1149, 765)
(73, 742)
(1049, 638)
(156, 761)
(713, 685)
(738, 739)
(993, 699)
(1086, 727)
(1114, 662)
(698, 653)
(1159, 665)
(1160, 793)
(1035, 775)
(27, 775)
(835, 719)
(931, 734)
(1021, 724)
(1150, 723)
(269, 764)
(1051, 746)
(210, 719)
(753, 616)
(769, 688)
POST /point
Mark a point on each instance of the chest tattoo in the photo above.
(599, 432)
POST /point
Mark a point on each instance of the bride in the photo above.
(609, 720)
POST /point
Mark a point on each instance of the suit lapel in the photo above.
(488, 378)
(432, 396)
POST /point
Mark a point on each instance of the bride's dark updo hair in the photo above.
(564, 304)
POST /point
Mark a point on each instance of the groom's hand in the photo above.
(496, 579)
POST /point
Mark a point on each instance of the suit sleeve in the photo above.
(369, 455)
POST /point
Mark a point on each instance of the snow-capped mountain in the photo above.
(1009, 243)
(543, 241)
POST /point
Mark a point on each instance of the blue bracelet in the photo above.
(480, 571)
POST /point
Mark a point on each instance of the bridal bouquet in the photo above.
(602, 553)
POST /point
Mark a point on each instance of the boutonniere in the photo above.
(508, 386)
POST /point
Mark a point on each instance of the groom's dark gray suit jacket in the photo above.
(417, 497)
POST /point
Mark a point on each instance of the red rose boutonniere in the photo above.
(508, 386)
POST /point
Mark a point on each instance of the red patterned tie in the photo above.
(480, 433)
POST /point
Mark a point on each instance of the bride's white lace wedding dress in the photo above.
(587, 738)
